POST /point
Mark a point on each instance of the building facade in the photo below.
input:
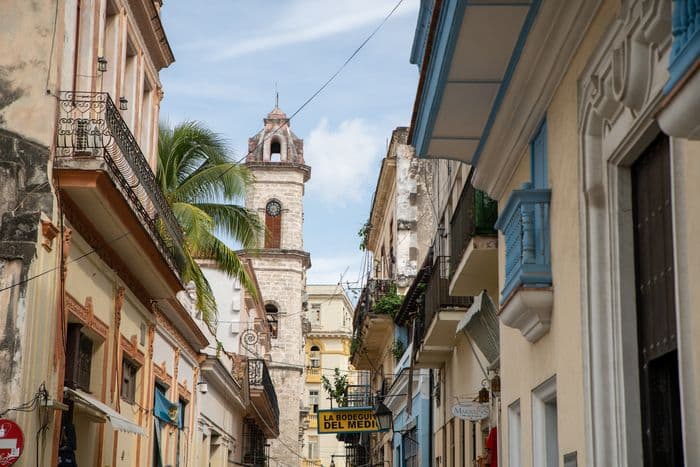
(101, 344)
(276, 160)
(581, 124)
(327, 348)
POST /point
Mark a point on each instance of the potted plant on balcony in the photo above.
(389, 304)
(202, 184)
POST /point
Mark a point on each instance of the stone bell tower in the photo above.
(276, 159)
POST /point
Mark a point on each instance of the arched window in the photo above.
(272, 319)
(275, 151)
(273, 222)
(315, 357)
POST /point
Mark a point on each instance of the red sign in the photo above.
(11, 442)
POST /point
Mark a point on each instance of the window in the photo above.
(275, 151)
(78, 358)
(272, 319)
(316, 312)
(538, 158)
(410, 448)
(313, 447)
(273, 223)
(453, 451)
(514, 434)
(182, 440)
(315, 357)
(313, 400)
(129, 373)
(545, 447)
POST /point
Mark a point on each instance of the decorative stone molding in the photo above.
(620, 90)
(86, 315)
(49, 232)
(130, 348)
(530, 311)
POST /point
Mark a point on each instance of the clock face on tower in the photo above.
(273, 208)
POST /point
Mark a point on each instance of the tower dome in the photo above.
(276, 142)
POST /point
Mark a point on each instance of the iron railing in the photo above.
(359, 395)
(254, 446)
(437, 297)
(475, 214)
(371, 293)
(259, 375)
(90, 128)
(684, 49)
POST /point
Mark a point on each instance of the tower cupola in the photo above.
(276, 142)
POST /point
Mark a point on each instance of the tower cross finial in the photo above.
(277, 96)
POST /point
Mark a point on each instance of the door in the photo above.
(655, 296)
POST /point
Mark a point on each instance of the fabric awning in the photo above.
(481, 323)
(118, 421)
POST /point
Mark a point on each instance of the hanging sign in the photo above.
(11, 442)
(472, 411)
(352, 420)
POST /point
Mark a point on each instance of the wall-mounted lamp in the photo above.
(383, 416)
(203, 386)
(123, 103)
(101, 64)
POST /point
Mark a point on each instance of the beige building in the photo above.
(327, 347)
(581, 122)
(276, 160)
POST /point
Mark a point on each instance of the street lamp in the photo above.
(101, 64)
(383, 416)
(123, 103)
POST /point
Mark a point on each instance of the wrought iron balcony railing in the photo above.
(437, 295)
(359, 395)
(372, 292)
(475, 214)
(685, 50)
(90, 128)
(525, 226)
(259, 375)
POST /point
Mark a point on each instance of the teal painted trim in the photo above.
(442, 52)
(538, 158)
(420, 37)
(444, 42)
(524, 222)
(514, 59)
(686, 58)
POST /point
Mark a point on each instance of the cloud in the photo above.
(306, 21)
(343, 160)
(328, 269)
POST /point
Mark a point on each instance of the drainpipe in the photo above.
(430, 417)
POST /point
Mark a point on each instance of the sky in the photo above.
(231, 54)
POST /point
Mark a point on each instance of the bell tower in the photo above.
(276, 159)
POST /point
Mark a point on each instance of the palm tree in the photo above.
(201, 184)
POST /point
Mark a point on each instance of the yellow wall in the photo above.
(524, 366)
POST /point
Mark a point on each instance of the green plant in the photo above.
(389, 304)
(355, 345)
(363, 233)
(202, 184)
(398, 349)
(338, 388)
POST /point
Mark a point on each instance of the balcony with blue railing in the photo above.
(526, 297)
(685, 50)
(679, 116)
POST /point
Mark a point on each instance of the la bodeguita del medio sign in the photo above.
(347, 420)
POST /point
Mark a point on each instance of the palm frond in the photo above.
(236, 222)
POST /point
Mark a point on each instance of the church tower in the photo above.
(276, 159)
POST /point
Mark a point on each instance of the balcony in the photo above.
(110, 190)
(435, 332)
(372, 331)
(263, 397)
(313, 374)
(526, 298)
(474, 244)
(679, 117)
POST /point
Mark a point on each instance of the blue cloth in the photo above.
(165, 410)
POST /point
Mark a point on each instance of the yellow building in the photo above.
(582, 123)
(99, 332)
(327, 347)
